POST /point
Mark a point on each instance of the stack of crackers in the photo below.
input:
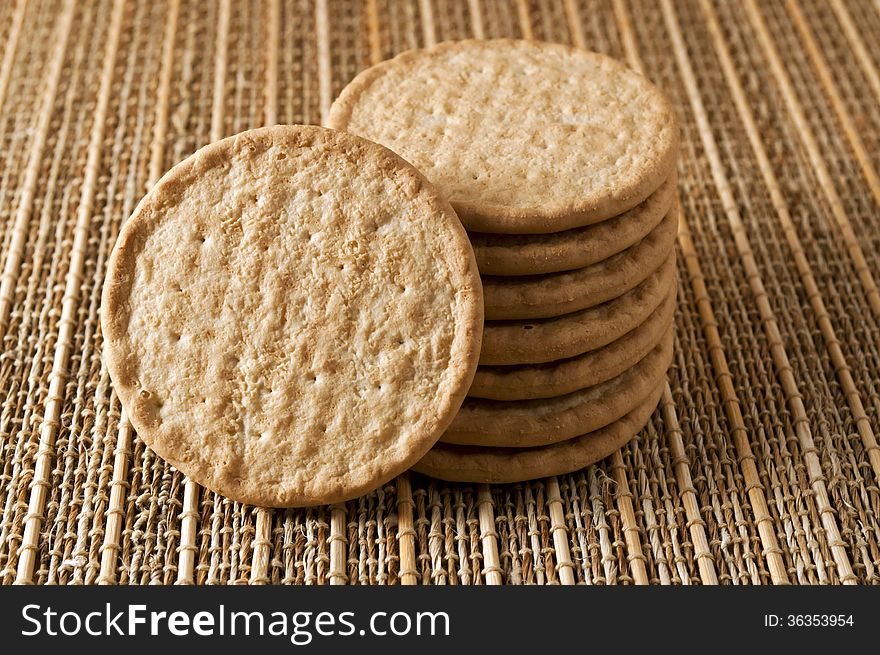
(472, 275)
(561, 165)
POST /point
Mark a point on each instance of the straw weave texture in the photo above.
(761, 465)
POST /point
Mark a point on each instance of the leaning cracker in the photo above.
(521, 136)
(529, 423)
(292, 316)
(536, 254)
(504, 465)
(537, 341)
(554, 294)
(530, 381)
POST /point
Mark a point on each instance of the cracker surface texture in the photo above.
(504, 465)
(523, 423)
(543, 340)
(535, 254)
(521, 136)
(554, 294)
(292, 316)
(556, 378)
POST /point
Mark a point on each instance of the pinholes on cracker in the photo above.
(292, 316)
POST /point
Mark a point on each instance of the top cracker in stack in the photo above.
(522, 137)
(561, 165)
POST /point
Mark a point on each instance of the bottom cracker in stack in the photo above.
(501, 465)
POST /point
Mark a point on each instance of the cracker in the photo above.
(554, 294)
(545, 340)
(521, 136)
(505, 465)
(292, 316)
(535, 254)
(557, 378)
(529, 423)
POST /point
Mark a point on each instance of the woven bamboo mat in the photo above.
(761, 465)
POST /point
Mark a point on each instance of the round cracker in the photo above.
(536, 254)
(546, 340)
(521, 136)
(505, 465)
(554, 294)
(558, 378)
(530, 423)
(292, 316)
